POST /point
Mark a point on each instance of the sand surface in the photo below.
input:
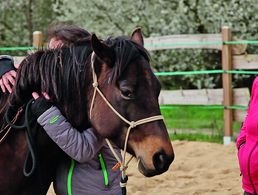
(199, 169)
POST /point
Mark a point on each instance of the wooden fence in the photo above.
(227, 96)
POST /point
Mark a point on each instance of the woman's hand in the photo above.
(41, 104)
(35, 95)
(7, 81)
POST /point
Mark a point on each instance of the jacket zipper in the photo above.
(249, 171)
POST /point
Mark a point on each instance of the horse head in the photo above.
(124, 76)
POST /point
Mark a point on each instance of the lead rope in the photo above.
(9, 126)
(132, 124)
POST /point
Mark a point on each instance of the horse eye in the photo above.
(127, 94)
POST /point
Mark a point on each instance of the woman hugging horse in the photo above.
(119, 67)
(88, 149)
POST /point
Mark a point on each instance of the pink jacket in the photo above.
(247, 144)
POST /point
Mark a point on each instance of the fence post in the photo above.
(37, 39)
(227, 85)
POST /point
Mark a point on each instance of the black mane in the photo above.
(62, 74)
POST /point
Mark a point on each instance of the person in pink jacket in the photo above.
(247, 145)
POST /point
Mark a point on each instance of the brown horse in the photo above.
(127, 81)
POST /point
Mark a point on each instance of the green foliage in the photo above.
(166, 17)
(20, 18)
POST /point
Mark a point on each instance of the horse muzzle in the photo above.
(161, 162)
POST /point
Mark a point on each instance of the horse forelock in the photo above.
(126, 51)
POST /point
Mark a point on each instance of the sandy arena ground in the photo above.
(199, 169)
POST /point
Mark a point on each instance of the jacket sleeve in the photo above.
(241, 139)
(6, 64)
(81, 146)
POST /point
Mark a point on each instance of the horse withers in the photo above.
(125, 78)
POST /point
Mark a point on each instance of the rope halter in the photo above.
(132, 124)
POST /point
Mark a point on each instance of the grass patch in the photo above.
(197, 137)
(206, 124)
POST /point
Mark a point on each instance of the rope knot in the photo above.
(123, 168)
(132, 124)
(95, 84)
(123, 182)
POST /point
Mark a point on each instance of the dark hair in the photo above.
(69, 34)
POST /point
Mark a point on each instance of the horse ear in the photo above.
(103, 51)
(137, 36)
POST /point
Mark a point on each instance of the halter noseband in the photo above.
(132, 124)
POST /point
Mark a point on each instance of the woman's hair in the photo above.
(69, 34)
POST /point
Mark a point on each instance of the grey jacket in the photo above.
(87, 176)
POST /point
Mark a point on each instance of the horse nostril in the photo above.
(162, 161)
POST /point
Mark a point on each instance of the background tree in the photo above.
(166, 17)
(19, 18)
(156, 17)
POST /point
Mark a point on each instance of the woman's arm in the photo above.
(7, 73)
(81, 146)
(6, 64)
